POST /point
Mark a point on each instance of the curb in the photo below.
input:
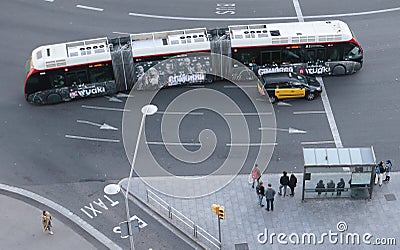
(64, 212)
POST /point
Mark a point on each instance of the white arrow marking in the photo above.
(101, 126)
(290, 130)
(113, 99)
(123, 95)
(283, 104)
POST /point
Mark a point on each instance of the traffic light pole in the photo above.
(219, 229)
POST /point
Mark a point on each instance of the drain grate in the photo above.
(242, 246)
(390, 197)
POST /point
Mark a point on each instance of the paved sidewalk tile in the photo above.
(245, 219)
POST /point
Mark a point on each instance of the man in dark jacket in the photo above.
(269, 196)
(260, 192)
(284, 181)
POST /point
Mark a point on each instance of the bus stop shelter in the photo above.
(328, 167)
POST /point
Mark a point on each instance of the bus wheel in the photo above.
(310, 96)
(53, 98)
(339, 70)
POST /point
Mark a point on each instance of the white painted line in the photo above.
(236, 87)
(265, 18)
(308, 112)
(251, 144)
(211, 19)
(283, 104)
(88, 7)
(316, 142)
(179, 113)
(298, 10)
(173, 143)
(261, 100)
(121, 33)
(49, 1)
(329, 115)
(64, 212)
(90, 138)
(354, 13)
(247, 114)
(103, 126)
(113, 99)
(289, 130)
(105, 108)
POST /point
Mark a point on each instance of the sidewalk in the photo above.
(21, 228)
(245, 219)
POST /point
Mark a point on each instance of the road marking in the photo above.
(106, 108)
(49, 1)
(103, 126)
(113, 99)
(309, 112)
(264, 18)
(290, 130)
(64, 212)
(298, 10)
(90, 138)
(88, 7)
(121, 33)
(236, 86)
(251, 144)
(280, 103)
(179, 113)
(316, 142)
(261, 100)
(247, 114)
(173, 143)
(329, 115)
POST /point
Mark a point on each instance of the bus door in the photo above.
(269, 58)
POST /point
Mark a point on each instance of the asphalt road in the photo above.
(40, 150)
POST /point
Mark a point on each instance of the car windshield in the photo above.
(300, 78)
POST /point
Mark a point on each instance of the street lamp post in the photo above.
(146, 110)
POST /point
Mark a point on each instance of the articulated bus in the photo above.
(104, 66)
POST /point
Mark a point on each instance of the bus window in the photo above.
(291, 55)
(71, 78)
(101, 74)
(351, 51)
(81, 77)
(334, 53)
(310, 55)
(321, 55)
(57, 80)
(269, 58)
(246, 56)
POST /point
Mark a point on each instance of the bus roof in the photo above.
(97, 50)
(289, 33)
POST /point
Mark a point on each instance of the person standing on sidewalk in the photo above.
(260, 192)
(292, 184)
(269, 196)
(256, 175)
(47, 222)
(284, 181)
(388, 170)
(379, 171)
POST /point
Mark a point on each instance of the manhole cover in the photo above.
(242, 246)
(390, 197)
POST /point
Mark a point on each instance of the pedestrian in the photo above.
(292, 184)
(388, 170)
(330, 187)
(256, 175)
(260, 190)
(379, 171)
(269, 196)
(320, 187)
(284, 181)
(47, 222)
(340, 187)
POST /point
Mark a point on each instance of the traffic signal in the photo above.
(215, 208)
(221, 212)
